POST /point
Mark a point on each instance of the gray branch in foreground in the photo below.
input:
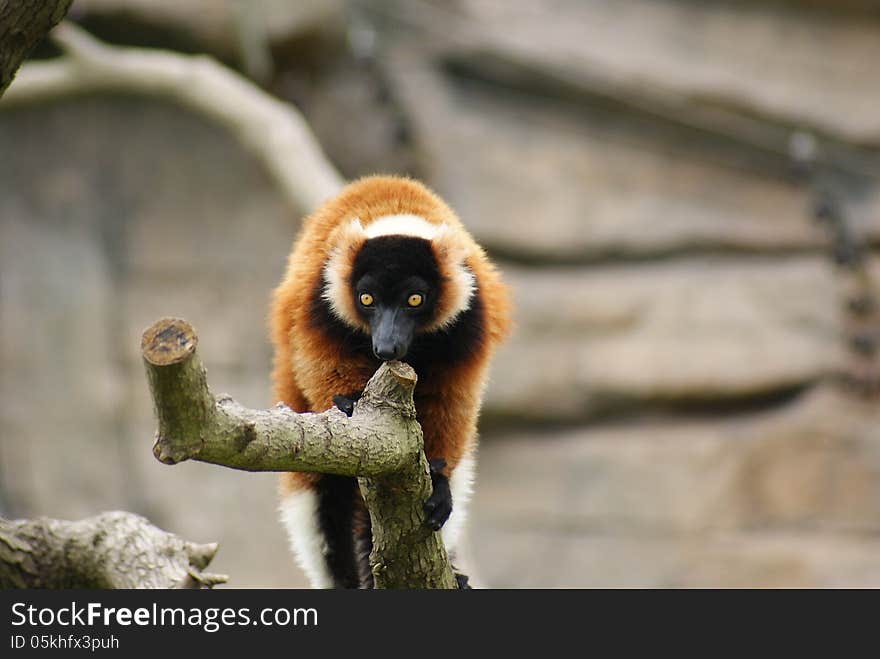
(22, 24)
(381, 444)
(274, 131)
(110, 550)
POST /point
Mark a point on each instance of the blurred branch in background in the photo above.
(22, 25)
(271, 129)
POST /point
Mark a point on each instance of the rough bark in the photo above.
(111, 550)
(272, 130)
(381, 444)
(22, 24)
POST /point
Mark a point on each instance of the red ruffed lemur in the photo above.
(383, 271)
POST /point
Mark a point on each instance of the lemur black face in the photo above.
(395, 280)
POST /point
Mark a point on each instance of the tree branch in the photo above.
(22, 24)
(271, 129)
(111, 550)
(381, 444)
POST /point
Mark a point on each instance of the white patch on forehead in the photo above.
(402, 225)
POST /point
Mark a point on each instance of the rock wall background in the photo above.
(670, 410)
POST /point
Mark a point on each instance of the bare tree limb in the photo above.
(111, 550)
(22, 24)
(271, 129)
(381, 444)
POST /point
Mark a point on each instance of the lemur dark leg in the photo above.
(353, 531)
(335, 511)
(438, 507)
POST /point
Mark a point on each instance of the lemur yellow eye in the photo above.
(414, 300)
(366, 299)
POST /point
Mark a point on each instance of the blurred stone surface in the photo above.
(758, 499)
(538, 558)
(700, 329)
(662, 415)
(750, 59)
(545, 181)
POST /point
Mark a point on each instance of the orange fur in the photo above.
(309, 370)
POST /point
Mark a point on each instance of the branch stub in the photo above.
(168, 341)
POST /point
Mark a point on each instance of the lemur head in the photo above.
(397, 277)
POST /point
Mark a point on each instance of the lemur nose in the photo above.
(387, 352)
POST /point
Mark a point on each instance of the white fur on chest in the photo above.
(402, 225)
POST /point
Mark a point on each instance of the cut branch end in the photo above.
(168, 341)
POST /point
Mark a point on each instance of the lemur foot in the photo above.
(346, 403)
(438, 507)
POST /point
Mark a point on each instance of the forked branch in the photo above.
(381, 445)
